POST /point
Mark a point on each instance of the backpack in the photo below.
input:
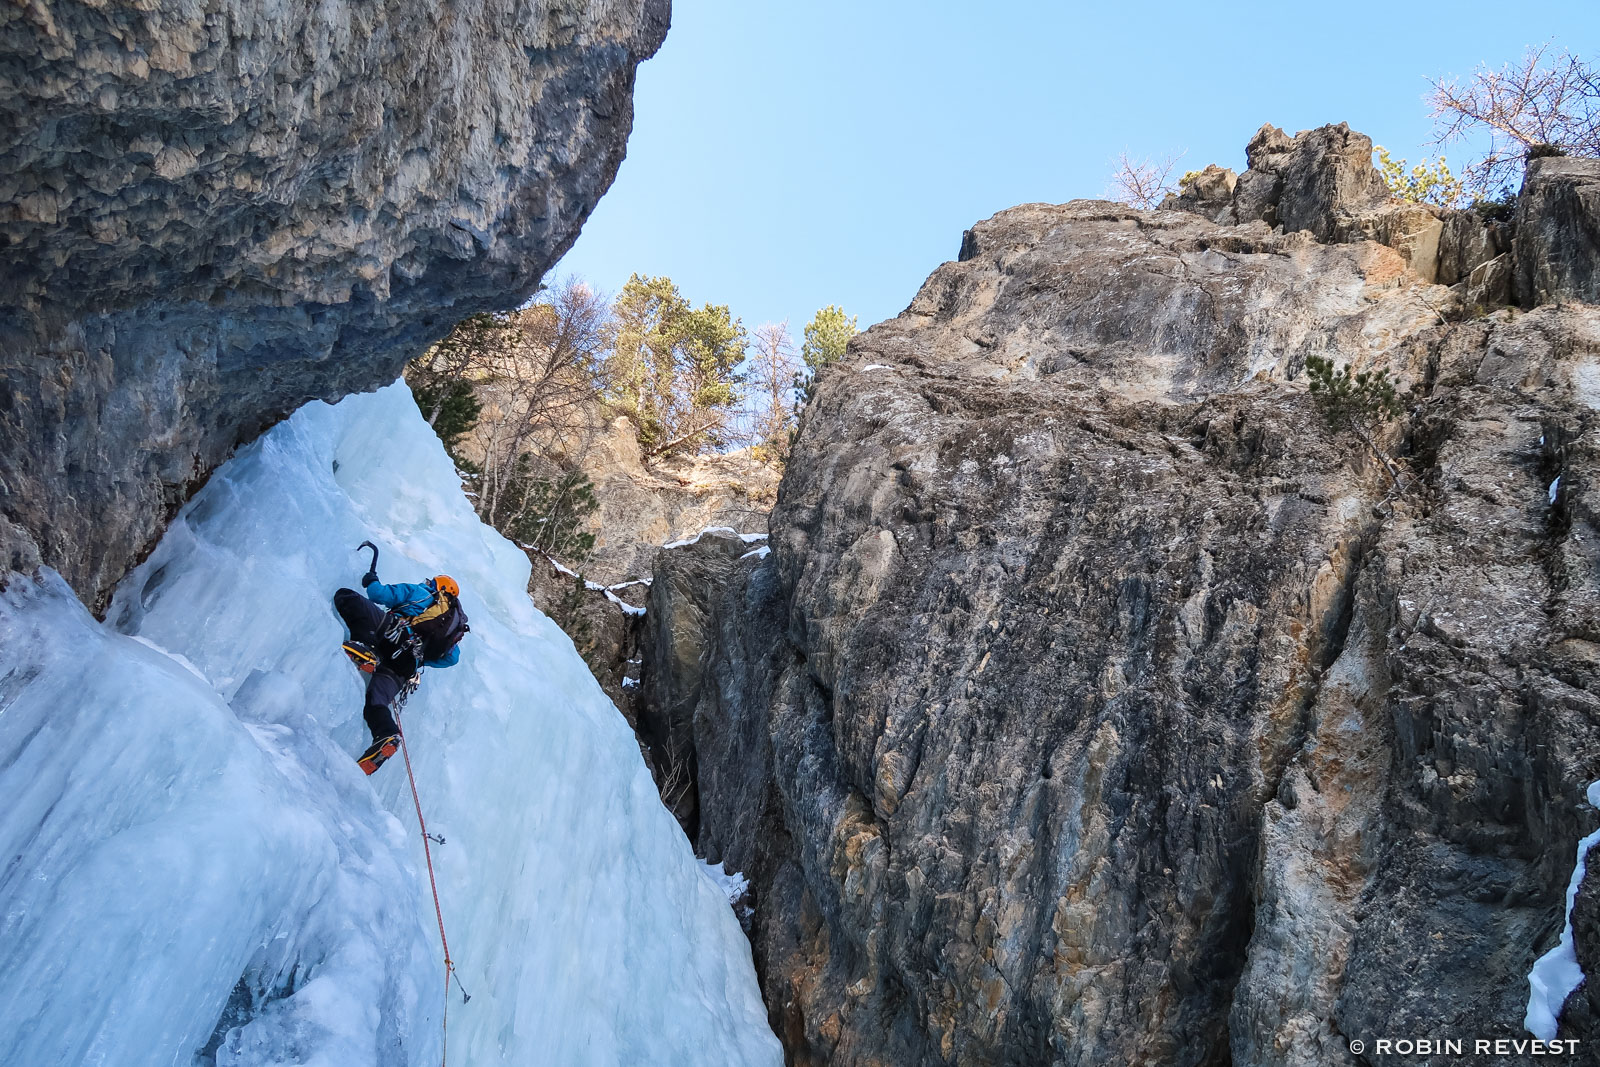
(438, 628)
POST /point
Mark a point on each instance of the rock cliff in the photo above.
(642, 507)
(211, 213)
(1099, 703)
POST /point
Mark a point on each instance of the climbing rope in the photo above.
(449, 966)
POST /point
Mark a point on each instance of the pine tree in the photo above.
(673, 368)
(827, 335)
(1359, 404)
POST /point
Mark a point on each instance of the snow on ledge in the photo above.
(747, 538)
(877, 366)
(1556, 974)
(627, 608)
(593, 587)
(759, 553)
(733, 886)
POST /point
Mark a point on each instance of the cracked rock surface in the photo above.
(213, 212)
(1098, 703)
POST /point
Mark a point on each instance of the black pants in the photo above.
(362, 616)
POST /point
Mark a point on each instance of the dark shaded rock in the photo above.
(1328, 173)
(686, 582)
(1098, 704)
(1308, 182)
(1466, 242)
(1581, 1013)
(209, 217)
(1258, 189)
(1558, 231)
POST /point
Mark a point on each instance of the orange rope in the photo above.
(449, 967)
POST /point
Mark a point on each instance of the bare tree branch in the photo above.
(1548, 98)
(774, 365)
(536, 384)
(1143, 183)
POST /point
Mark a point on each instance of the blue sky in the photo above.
(787, 156)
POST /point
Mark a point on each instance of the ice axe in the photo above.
(372, 570)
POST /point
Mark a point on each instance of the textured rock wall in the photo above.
(213, 212)
(1322, 181)
(1558, 232)
(643, 507)
(1099, 704)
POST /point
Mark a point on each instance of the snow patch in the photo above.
(1555, 487)
(593, 587)
(747, 538)
(732, 886)
(1556, 974)
(627, 608)
(877, 366)
(759, 553)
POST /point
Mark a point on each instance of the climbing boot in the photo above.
(363, 656)
(379, 752)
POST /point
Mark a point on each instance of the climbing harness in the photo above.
(426, 633)
(427, 852)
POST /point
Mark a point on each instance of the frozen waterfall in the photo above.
(197, 872)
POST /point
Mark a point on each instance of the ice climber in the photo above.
(422, 627)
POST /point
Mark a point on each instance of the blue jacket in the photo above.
(405, 598)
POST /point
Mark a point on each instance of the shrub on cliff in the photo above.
(1144, 183)
(548, 511)
(827, 336)
(773, 377)
(1425, 183)
(452, 409)
(508, 394)
(1358, 404)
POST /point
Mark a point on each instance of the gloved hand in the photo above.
(368, 578)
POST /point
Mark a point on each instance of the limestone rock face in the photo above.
(1322, 181)
(1558, 231)
(1099, 703)
(643, 507)
(212, 213)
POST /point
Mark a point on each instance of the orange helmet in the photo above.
(446, 584)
